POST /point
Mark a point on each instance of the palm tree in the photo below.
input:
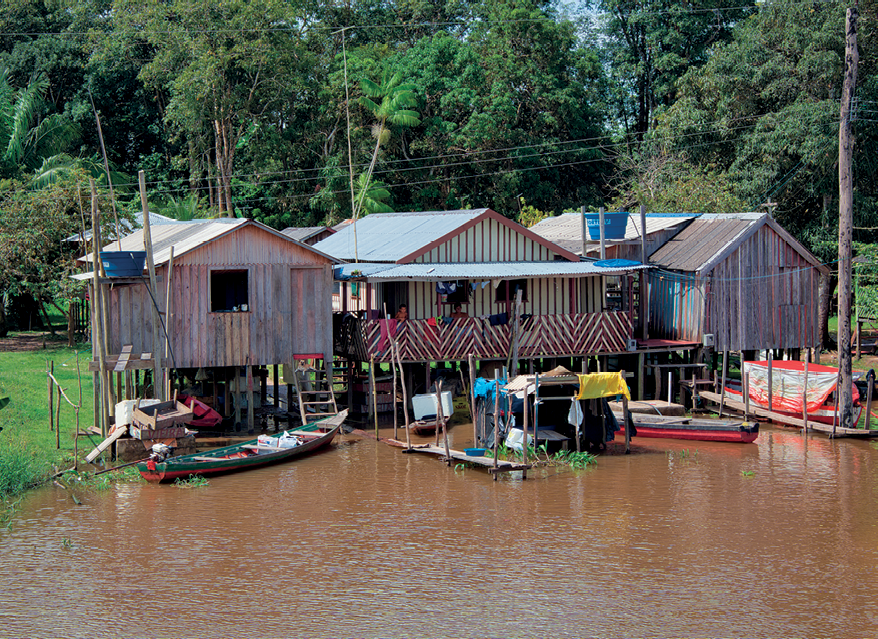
(27, 141)
(389, 102)
(372, 195)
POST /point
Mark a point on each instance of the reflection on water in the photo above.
(678, 539)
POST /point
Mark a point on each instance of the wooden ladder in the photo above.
(315, 394)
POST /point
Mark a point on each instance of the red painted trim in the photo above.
(490, 215)
(307, 356)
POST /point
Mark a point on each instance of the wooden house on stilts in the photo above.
(460, 274)
(736, 282)
(235, 298)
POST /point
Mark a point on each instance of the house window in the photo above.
(454, 292)
(514, 285)
(228, 291)
(355, 289)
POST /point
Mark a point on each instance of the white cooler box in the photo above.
(425, 405)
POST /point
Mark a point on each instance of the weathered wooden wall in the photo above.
(290, 309)
(763, 295)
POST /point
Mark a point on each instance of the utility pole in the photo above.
(845, 221)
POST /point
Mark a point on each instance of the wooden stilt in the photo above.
(393, 369)
(374, 392)
(275, 371)
(237, 380)
(805, 401)
(394, 349)
(250, 400)
(524, 427)
(472, 395)
(496, 418)
(770, 381)
(870, 379)
(745, 387)
(440, 416)
(722, 391)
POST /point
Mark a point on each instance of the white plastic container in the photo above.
(426, 404)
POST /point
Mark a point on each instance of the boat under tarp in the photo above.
(786, 386)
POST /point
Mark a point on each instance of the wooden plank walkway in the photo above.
(503, 466)
(787, 419)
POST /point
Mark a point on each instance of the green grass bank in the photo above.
(30, 452)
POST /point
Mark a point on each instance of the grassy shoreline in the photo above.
(28, 452)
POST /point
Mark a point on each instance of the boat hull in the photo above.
(232, 459)
(744, 435)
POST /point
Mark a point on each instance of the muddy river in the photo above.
(683, 539)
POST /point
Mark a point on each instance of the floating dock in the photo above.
(788, 420)
(502, 466)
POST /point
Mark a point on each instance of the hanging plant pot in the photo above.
(123, 263)
(614, 225)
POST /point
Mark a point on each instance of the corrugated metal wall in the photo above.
(289, 298)
(764, 295)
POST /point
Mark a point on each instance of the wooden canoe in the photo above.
(707, 430)
(244, 456)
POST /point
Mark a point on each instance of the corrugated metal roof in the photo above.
(388, 237)
(705, 238)
(565, 230)
(303, 233)
(187, 236)
(478, 271)
(155, 219)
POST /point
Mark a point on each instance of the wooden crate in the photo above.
(162, 415)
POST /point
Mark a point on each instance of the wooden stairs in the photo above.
(315, 394)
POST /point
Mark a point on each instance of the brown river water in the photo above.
(677, 539)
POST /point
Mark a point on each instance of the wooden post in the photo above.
(835, 414)
(50, 369)
(98, 332)
(440, 419)
(168, 299)
(275, 376)
(722, 391)
(524, 428)
(58, 422)
(770, 381)
(844, 392)
(237, 373)
(805, 399)
(374, 392)
(394, 348)
(745, 378)
(250, 400)
(641, 376)
(603, 231)
(870, 379)
(472, 395)
(393, 368)
(584, 233)
(496, 417)
(157, 382)
(627, 421)
(536, 408)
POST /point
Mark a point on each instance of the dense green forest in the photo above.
(280, 110)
